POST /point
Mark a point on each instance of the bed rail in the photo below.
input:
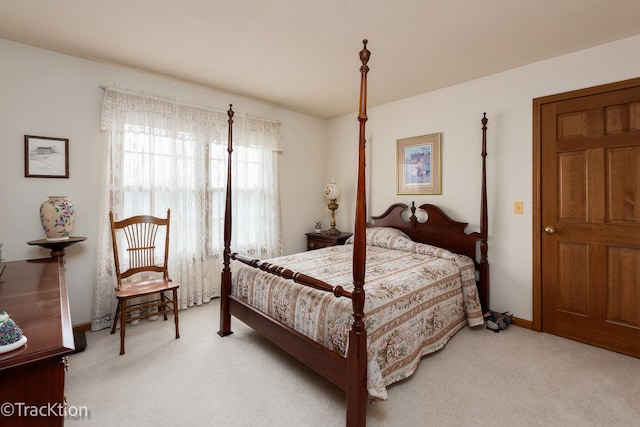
(297, 277)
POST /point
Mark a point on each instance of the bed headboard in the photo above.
(438, 229)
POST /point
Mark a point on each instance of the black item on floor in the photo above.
(498, 321)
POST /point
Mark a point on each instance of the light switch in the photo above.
(518, 207)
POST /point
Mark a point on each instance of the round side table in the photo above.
(57, 246)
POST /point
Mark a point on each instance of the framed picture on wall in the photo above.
(46, 157)
(418, 165)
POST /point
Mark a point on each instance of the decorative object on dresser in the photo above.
(332, 192)
(11, 336)
(323, 240)
(56, 217)
(34, 292)
(46, 157)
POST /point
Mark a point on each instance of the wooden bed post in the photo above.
(225, 314)
(484, 225)
(357, 352)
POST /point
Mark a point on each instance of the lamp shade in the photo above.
(332, 190)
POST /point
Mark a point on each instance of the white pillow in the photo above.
(434, 251)
(387, 237)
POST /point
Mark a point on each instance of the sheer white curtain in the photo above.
(162, 154)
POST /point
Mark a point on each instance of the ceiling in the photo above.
(302, 55)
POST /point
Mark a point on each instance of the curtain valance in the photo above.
(122, 108)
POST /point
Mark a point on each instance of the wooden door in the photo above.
(589, 218)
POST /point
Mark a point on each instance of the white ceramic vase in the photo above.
(56, 216)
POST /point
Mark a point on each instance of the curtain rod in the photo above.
(185, 104)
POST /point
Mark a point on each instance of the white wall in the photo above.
(456, 112)
(47, 94)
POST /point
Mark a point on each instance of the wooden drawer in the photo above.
(323, 240)
(34, 293)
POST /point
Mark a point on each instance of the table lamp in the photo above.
(332, 192)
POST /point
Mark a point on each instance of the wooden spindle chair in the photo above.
(142, 234)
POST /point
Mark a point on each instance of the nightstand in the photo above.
(322, 240)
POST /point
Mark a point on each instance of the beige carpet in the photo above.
(513, 378)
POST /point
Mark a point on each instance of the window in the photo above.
(161, 155)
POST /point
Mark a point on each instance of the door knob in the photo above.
(550, 229)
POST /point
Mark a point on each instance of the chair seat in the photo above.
(145, 287)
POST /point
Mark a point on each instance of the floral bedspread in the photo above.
(417, 297)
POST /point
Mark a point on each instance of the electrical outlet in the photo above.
(518, 207)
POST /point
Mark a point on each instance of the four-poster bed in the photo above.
(424, 282)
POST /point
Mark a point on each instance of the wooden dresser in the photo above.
(34, 294)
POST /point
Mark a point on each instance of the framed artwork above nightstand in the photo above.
(322, 240)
